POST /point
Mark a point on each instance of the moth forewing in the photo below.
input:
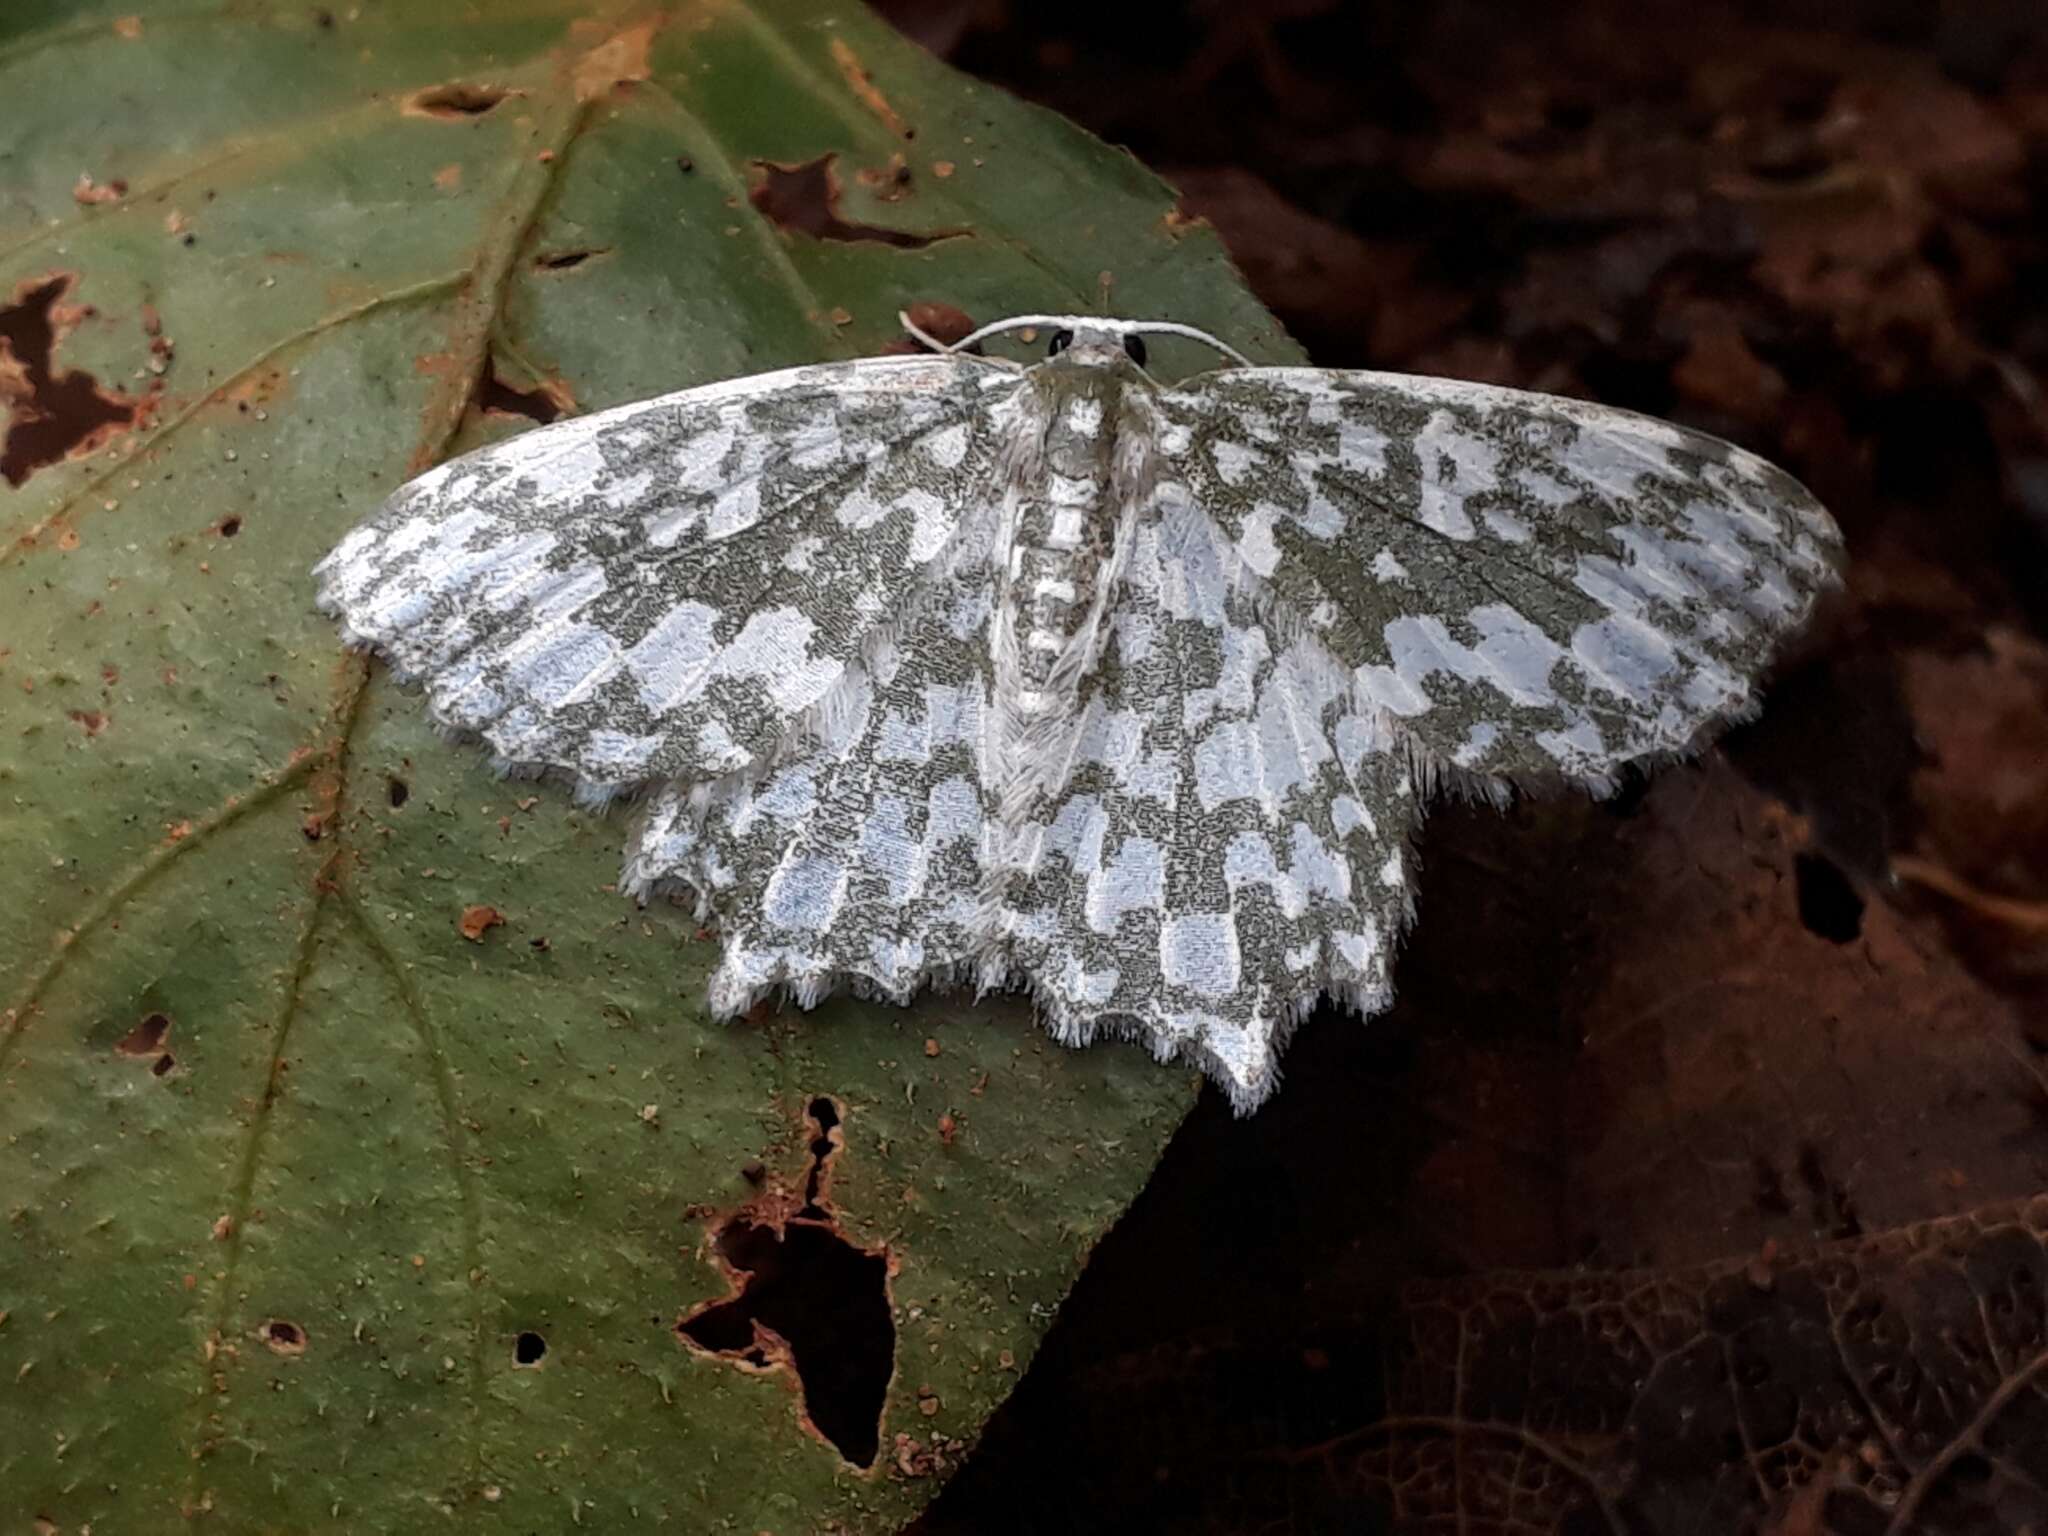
(663, 589)
(1529, 587)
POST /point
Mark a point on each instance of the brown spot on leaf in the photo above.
(620, 59)
(478, 921)
(283, 1338)
(147, 1037)
(916, 1458)
(942, 322)
(949, 1128)
(88, 192)
(888, 183)
(128, 28)
(91, 721)
(449, 177)
(456, 99)
(863, 86)
(53, 414)
(255, 390)
(803, 199)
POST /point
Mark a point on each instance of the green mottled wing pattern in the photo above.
(662, 590)
(857, 856)
(1527, 587)
(1231, 840)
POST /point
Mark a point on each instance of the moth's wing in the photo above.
(1232, 841)
(857, 860)
(662, 590)
(1527, 586)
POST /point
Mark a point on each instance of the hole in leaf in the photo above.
(1828, 903)
(564, 261)
(827, 1303)
(397, 792)
(804, 200)
(147, 1037)
(812, 1300)
(495, 395)
(230, 526)
(284, 1338)
(455, 98)
(529, 1349)
(163, 1064)
(51, 415)
(825, 1116)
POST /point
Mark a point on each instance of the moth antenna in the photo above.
(1192, 333)
(949, 349)
(918, 333)
(1077, 322)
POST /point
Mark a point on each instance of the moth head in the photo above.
(1088, 346)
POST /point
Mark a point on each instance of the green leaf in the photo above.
(318, 1211)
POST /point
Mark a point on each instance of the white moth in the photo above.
(943, 667)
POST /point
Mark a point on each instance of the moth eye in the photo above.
(1134, 348)
(1061, 340)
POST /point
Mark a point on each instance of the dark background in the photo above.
(1695, 1181)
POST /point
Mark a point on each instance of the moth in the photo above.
(946, 668)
